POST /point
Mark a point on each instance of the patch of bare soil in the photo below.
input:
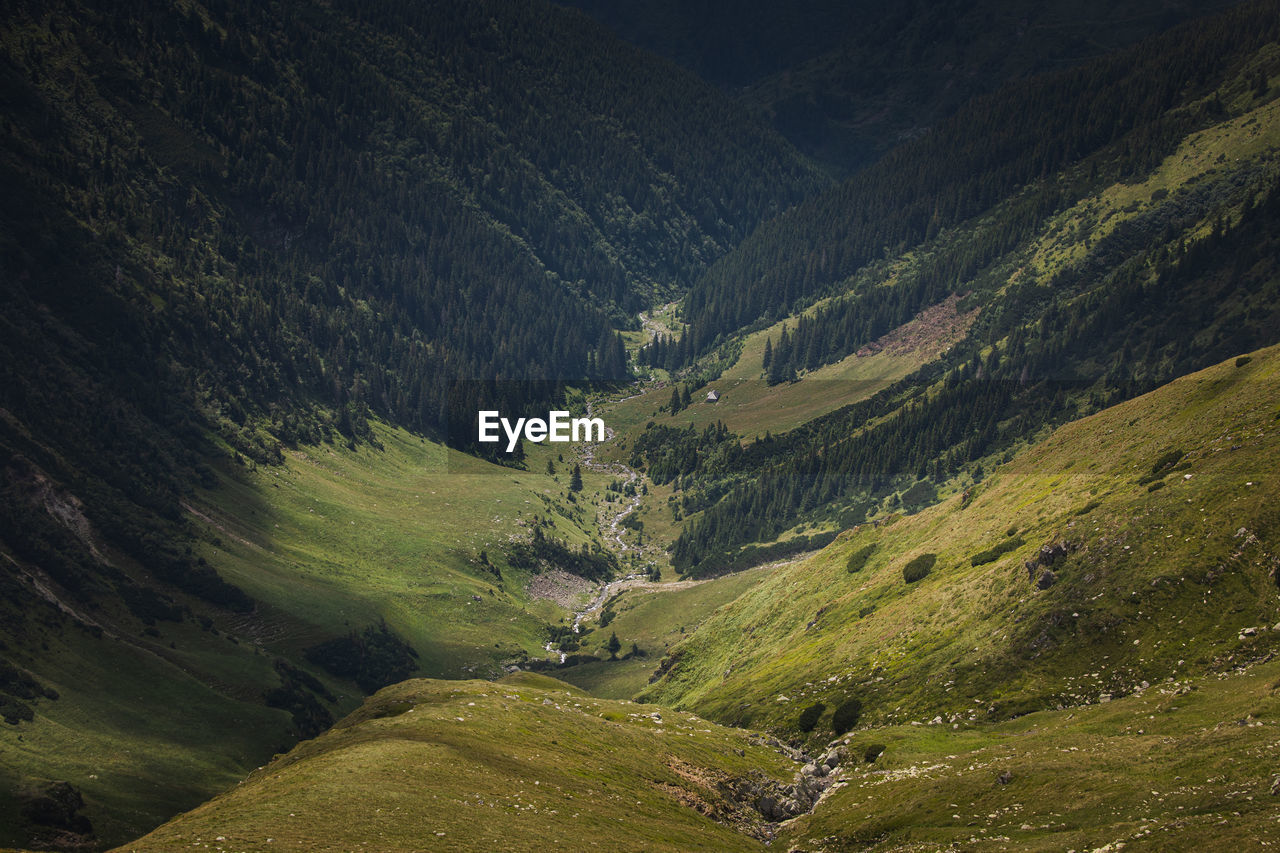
(559, 586)
(931, 332)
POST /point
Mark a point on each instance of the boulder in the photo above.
(1047, 556)
(769, 808)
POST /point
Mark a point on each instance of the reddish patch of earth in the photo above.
(931, 332)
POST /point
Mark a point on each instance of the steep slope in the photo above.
(521, 764)
(363, 565)
(1136, 282)
(847, 82)
(1184, 765)
(244, 248)
(221, 220)
(1134, 546)
(1041, 144)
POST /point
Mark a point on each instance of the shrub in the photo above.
(859, 558)
(919, 567)
(1167, 460)
(997, 551)
(873, 752)
(809, 717)
(846, 716)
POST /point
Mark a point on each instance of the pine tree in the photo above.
(575, 479)
(768, 354)
(614, 646)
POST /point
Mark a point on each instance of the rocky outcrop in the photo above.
(1039, 568)
(776, 801)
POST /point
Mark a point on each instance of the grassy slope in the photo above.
(1252, 136)
(523, 764)
(655, 620)
(334, 539)
(338, 538)
(1180, 767)
(750, 407)
(1159, 586)
(122, 729)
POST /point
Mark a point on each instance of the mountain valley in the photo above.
(938, 503)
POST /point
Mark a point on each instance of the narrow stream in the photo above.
(612, 531)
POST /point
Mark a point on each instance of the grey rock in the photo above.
(769, 808)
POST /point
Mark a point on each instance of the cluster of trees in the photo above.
(667, 452)
(589, 561)
(373, 658)
(665, 351)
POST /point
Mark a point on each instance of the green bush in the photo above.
(859, 558)
(1167, 460)
(846, 716)
(918, 568)
(809, 717)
